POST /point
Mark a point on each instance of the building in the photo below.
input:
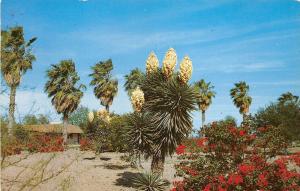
(74, 132)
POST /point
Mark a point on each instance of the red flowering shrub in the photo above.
(231, 158)
(86, 144)
(45, 143)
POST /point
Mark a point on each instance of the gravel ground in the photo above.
(73, 170)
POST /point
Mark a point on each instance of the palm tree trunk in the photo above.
(157, 164)
(107, 108)
(203, 119)
(65, 132)
(244, 117)
(11, 111)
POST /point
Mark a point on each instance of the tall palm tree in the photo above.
(288, 97)
(105, 88)
(205, 94)
(133, 80)
(241, 98)
(16, 59)
(63, 90)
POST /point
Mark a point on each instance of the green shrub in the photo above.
(149, 182)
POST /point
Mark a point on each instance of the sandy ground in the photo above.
(73, 170)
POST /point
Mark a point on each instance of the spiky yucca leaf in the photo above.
(149, 182)
(139, 133)
(169, 103)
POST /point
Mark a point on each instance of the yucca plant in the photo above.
(149, 182)
(241, 98)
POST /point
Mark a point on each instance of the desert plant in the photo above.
(105, 88)
(229, 158)
(205, 94)
(16, 59)
(63, 90)
(288, 97)
(149, 182)
(133, 80)
(169, 101)
(241, 98)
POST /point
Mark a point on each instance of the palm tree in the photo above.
(240, 97)
(288, 97)
(133, 80)
(205, 94)
(63, 90)
(16, 59)
(105, 88)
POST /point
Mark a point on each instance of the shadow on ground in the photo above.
(125, 178)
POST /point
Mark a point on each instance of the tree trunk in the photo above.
(157, 164)
(65, 132)
(203, 119)
(107, 108)
(244, 117)
(11, 117)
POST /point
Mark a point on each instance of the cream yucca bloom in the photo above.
(186, 69)
(91, 116)
(137, 99)
(169, 63)
(151, 63)
(103, 114)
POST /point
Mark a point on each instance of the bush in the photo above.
(149, 182)
(229, 158)
(21, 134)
(86, 144)
(45, 143)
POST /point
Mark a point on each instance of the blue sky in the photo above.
(228, 41)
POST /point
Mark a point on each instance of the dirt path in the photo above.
(74, 170)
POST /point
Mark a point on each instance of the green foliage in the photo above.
(117, 136)
(16, 56)
(149, 182)
(62, 87)
(169, 103)
(80, 117)
(133, 80)
(287, 98)
(286, 116)
(105, 88)
(21, 134)
(205, 94)
(240, 97)
(35, 120)
(139, 134)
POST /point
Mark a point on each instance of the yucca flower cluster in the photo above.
(169, 63)
(137, 99)
(91, 116)
(103, 114)
(186, 69)
(151, 63)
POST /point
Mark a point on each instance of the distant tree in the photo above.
(133, 80)
(205, 94)
(63, 89)
(16, 59)
(288, 97)
(230, 120)
(105, 88)
(286, 116)
(35, 120)
(241, 99)
(80, 117)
